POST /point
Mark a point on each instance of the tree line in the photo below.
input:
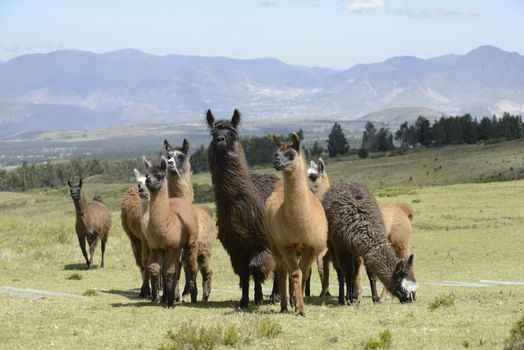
(259, 150)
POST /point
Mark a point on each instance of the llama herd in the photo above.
(269, 227)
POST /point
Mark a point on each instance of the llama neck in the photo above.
(383, 262)
(159, 206)
(180, 186)
(144, 214)
(323, 188)
(296, 190)
(229, 172)
(80, 205)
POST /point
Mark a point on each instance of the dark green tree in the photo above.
(337, 142)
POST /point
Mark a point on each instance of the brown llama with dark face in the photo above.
(240, 198)
(93, 222)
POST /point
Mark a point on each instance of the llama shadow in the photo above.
(132, 294)
(73, 267)
(142, 303)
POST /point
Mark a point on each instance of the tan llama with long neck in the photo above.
(172, 234)
(295, 223)
(397, 223)
(180, 185)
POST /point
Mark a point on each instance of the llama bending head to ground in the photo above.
(93, 222)
(294, 221)
(239, 198)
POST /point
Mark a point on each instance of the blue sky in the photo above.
(336, 34)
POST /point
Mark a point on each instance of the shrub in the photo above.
(75, 276)
(516, 336)
(363, 153)
(442, 301)
(382, 342)
(269, 328)
(90, 293)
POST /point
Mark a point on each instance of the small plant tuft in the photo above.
(91, 292)
(516, 336)
(382, 342)
(269, 328)
(466, 344)
(442, 301)
(75, 277)
(416, 200)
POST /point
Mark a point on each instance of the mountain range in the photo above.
(67, 89)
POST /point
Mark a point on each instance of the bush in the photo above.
(442, 301)
(382, 342)
(363, 153)
(516, 336)
(90, 293)
(75, 277)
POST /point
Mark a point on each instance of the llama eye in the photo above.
(181, 157)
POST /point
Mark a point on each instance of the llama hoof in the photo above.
(283, 310)
(324, 294)
(301, 313)
(144, 293)
(156, 300)
(376, 300)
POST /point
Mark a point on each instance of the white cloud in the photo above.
(360, 6)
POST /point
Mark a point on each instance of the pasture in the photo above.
(462, 232)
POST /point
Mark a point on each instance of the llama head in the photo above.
(287, 157)
(143, 192)
(156, 175)
(75, 190)
(224, 132)
(178, 159)
(317, 177)
(405, 284)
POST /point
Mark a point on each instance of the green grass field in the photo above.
(463, 232)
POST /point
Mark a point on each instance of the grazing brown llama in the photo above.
(295, 223)
(172, 234)
(397, 224)
(93, 222)
(180, 185)
(239, 198)
(134, 213)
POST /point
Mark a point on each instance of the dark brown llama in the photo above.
(93, 222)
(240, 198)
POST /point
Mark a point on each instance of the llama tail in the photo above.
(262, 266)
(406, 208)
(207, 209)
(98, 199)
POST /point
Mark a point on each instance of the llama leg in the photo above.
(325, 275)
(145, 291)
(207, 276)
(354, 280)
(282, 279)
(92, 248)
(103, 244)
(307, 259)
(275, 292)
(177, 288)
(190, 262)
(259, 297)
(373, 284)
(340, 277)
(244, 284)
(82, 242)
(185, 292)
(154, 270)
(346, 266)
(307, 288)
(290, 257)
(171, 268)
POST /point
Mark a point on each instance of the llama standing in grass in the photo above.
(172, 233)
(93, 222)
(397, 224)
(240, 198)
(134, 213)
(295, 223)
(180, 185)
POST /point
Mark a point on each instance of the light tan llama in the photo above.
(180, 185)
(294, 222)
(397, 223)
(172, 234)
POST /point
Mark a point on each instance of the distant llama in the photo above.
(240, 198)
(180, 185)
(93, 222)
(295, 223)
(134, 213)
(172, 234)
(397, 222)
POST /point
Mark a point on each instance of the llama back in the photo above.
(264, 183)
(130, 211)
(98, 216)
(98, 198)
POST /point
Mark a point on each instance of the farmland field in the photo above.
(463, 231)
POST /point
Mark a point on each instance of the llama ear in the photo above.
(296, 141)
(167, 146)
(80, 183)
(313, 165)
(163, 163)
(276, 140)
(409, 261)
(235, 120)
(146, 162)
(69, 183)
(137, 174)
(210, 119)
(321, 166)
(400, 266)
(185, 147)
